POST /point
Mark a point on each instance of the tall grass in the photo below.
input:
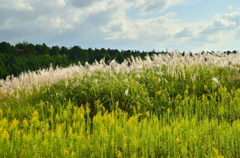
(70, 132)
(164, 106)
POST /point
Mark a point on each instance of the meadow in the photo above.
(167, 105)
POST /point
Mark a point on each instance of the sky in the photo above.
(144, 25)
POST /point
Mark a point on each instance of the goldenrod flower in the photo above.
(216, 153)
(74, 116)
(5, 135)
(35, 120)
(72, 154)
(14, 124)
(65, 115)
(205, 87)
(9, 110)
(57, 118)
(4, 122)
(25, 123)
(1, 113)
(178, 140)
(168, 111)
(118, 154)
(65, 152)
(88, 110)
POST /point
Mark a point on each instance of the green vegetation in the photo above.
(166, 106)
(29, 57)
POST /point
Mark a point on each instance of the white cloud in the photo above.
(230, 7)
(150, 6)
(20, 5)
(234, 16)
(82, 3)
(7, 24)
(104, 22)
(56, 4)
(219, 32)
(224, 23)
(186, 32)
(140, 29)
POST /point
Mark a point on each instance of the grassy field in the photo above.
(164, 106)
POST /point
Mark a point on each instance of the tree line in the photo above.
(22, 57)
(25, 56)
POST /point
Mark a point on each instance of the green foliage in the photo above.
(104, 87)
(164, 111)
(28, 57)
(69, 132)
(155, 90)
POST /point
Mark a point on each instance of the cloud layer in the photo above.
(105, 23)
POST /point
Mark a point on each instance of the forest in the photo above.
(24, 56)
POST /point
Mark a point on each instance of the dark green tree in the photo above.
(99, 54)
(15, 69)
(63, 50)
(120, 57)
(55, 50)
(6, 47)
(3, 72)
(84, 56)
(74, 53)
(42, 49)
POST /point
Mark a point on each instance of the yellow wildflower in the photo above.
(5, 135)
(57, 118)
(4, 122)
(65, 115)
(168, 111)
(216, 153)
(1, 113)
(34, 120)
(74, 116)
(178, 140)
(88, 110)
(14, 124)
(118, 154)
(72, 154)
(205, 87)
(25, 123)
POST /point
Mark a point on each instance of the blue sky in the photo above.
(186, 25)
